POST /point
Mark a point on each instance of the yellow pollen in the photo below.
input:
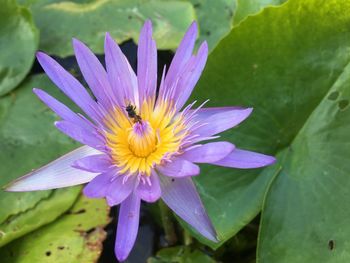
(142, 139)
(136, 147)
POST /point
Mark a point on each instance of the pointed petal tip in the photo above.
(243, 159)
(192, 31)
(148, 23)
(247, 111)
(121, 255)
(57, 174)
(271, 161)
(213, 236)
(110, 42)
(40, 56)
(39, 53)
(14, 186)
(108, 37)
(76, 43)
(10, 187)
(204, 46)
(109, 201)
(36, 90)
(193, 25)
(128, 225)
(40, 94)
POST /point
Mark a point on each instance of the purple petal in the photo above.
(182, 55)
(204, 113)
(149, 192)
(147, 63)
(94, 74)
(245, 159)
(128, 225)
(98, 187)
(69, 85)
(56, 174)
(120, 189)
(190, 75)
(79, 134)
(95, 163)
(179, 168)
(210, 152)
(62, 110)
(181, 196)
(120, 74)
(219, 122)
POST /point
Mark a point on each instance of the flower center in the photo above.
(142, 139)
(136, 146)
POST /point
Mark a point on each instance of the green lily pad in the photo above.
(28, 140)
(214, 18)
(282, 61)
(180, 254)
(250, 7)
(307, 204)
(18, 43)
(88, 21)
(44, 211)
(76, 236)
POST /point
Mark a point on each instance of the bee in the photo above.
(130, 109)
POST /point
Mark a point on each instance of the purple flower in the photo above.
(139, 145)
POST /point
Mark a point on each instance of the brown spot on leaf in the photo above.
(95, 239)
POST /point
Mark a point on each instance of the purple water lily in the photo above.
(139, 144)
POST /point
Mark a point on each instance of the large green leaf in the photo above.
(28, 140)
(76, 236)
(308, 203)
(282, 61)
(18, 43)
(88, 21)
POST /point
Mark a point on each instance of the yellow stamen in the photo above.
(137, 147)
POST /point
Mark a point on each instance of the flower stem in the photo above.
(168, 224)
(187, 238)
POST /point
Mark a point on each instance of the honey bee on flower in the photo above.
(140, 143)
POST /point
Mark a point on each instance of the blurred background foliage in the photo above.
(287, 59)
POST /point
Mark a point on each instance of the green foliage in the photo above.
(18, 43)
(42, 212)
(28, 140)
(76, 237)
(291, 64)
(214, 18)
(249, 7)
(308, 203)
(88, 21)
(180, 254)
